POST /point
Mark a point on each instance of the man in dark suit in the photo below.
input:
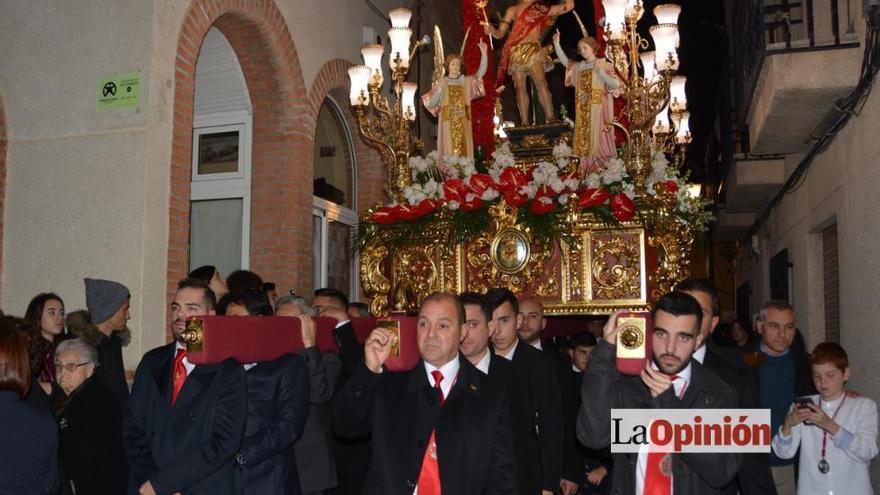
(443, 425)
(539, 455)
(314, 454)
(278, 404)
(352, 454)
(531, 331)
(671, 380)
(185, 423)
(754, 476)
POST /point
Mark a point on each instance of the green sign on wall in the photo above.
(119, 91)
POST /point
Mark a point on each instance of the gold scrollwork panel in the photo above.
(615, 267)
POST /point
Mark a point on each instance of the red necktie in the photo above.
(429, 477)
(179, 375)
(658, 471)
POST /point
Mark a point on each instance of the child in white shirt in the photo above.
(836, 430)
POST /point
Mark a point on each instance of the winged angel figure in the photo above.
(450, 99)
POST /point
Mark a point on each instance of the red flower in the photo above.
(622, 207)
(515, 198)
(539, 207)
(383, 216)
(512, 179)
(474, 204)
(402, 212)
(593, 197)
(669, 185)
(423, 208)
(455, 190)
(480, 182)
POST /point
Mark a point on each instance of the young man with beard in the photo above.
(184, 422)
(443, 425)
(754, 477)
(671, 380)
(539, 454)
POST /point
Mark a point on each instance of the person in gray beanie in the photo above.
(105, 327)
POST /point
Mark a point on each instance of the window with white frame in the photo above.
(220, 197)
(334, 213)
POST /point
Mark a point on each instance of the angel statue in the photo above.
(595, 88)
(450, 100)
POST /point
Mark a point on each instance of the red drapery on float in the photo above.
(482, 109)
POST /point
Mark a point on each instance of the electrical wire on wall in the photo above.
(843, 110)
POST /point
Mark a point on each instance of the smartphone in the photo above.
(803, 402)
(393, 327)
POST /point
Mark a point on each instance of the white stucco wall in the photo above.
(87, 191)
(841, 186)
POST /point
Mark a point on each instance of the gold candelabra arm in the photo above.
(370, 130)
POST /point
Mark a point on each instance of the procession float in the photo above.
(590, 215)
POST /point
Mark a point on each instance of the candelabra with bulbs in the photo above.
(387, 125)
(656, 103)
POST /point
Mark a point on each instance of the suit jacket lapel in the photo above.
(163, 374)
(192, 387)
(695, 396)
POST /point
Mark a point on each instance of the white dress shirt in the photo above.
(700, 354)
(680, 386)
(449, 372)
(483, 363)
(848, 453)
(509, 355)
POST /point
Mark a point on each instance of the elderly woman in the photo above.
(28, 462)
(90, 423)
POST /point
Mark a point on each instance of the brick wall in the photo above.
(281, 233)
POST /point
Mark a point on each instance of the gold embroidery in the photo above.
(583, 135)
(456, 113)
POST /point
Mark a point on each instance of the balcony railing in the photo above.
(763, 27)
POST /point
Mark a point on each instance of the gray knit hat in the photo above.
(104, 298)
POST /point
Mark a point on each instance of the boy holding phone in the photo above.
(836, 431)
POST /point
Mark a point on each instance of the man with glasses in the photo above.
(784, 373)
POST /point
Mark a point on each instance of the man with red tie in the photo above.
(185, 423)
(442, 427)
(671, 380)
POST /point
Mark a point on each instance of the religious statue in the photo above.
(450, 101)
(523, 54)
(595, 88)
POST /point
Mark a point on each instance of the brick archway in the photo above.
(281, 234)
(332, 81)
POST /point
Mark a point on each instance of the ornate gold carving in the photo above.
(615, 266)
(415, 277)
(631, 337)
(373, 280)
(583, 130)
(510, 250)
(535, 141)
(673, 241)
(456, 113)
(194, 335)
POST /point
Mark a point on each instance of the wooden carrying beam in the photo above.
(254, 339)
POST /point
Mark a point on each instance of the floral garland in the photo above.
(451, 198)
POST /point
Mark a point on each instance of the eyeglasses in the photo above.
(70, 367)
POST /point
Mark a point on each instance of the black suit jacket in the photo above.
(754, 477)
(605, 388)
(522, 421)
(90, 440)
(572, 461)
(474, 448)
(188, 448)
(538, 373)
(314, 453)
(278, 404)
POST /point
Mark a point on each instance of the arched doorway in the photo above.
(279, 229)
(335, 205)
